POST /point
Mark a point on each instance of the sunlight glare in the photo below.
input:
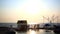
(32, 32)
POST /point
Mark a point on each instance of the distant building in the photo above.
(22, 25)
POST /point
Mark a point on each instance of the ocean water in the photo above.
(40, 31)
(14, 25)
(30, 31)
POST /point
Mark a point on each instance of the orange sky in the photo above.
(30, 10)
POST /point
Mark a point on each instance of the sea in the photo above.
(30, 31)
(40, 31)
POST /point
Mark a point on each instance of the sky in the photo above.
(30, 10)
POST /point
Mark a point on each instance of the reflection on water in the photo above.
(30, 31)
